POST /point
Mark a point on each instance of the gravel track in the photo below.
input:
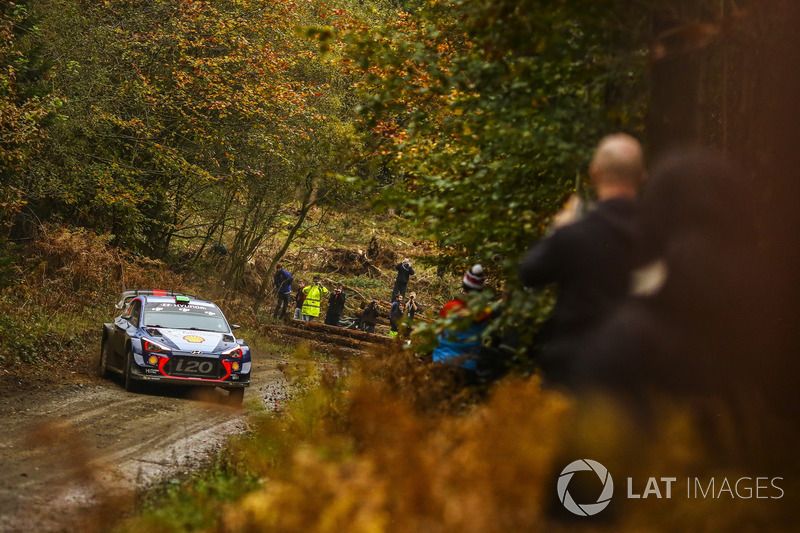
(71, 453)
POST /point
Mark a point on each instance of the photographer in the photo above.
(411, 311)
(335, 306)
(369, 317)
(404, 272)
(314, 294)
(412, 306)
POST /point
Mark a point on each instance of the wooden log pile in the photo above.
(348, 341)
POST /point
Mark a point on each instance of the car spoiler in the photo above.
(127, 296)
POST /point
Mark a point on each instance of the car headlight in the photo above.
(154, 347)
(233, 353)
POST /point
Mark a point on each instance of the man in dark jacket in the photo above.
(404, 272)
(369, 317)
(396, 311)
(335, 306)
(283, 286)
(700, 308)
(589, 260)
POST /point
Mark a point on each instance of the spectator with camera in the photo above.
(314, 294)
(335, 306)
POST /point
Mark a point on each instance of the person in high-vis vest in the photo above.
(314, 295)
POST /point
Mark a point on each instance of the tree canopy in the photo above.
(488, 111)
(182, 120)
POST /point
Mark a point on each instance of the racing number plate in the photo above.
(192, 366)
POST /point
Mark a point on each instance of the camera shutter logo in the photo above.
(586, 509)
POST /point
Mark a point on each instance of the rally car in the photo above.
(169, 337)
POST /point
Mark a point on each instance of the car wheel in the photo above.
(103, 369)
(131, 384)
(235, 396)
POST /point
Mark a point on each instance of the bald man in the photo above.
(590, 259)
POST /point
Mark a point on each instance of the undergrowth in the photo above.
(395, 445)
(194, 503)
(60, 288)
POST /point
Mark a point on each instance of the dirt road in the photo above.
(68, 449)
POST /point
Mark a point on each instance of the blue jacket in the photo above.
(459, 347)
(283, 281)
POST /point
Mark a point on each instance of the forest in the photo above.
(139, 138)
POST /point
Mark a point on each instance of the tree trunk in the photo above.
(308, 202)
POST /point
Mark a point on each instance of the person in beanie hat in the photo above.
(474, 279)
(462, 347)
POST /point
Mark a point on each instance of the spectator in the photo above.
(369, 317)
(462, 348)
(589, 260)
(412, 307)
(404, 272)
(396, 314)
(313, 299)
(695, 327)
(298, 301)
(411, 311)
(335, 306)
(282, 281)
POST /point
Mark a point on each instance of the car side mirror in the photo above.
(235, 326)
(126, 318)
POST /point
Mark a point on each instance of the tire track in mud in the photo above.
(70, 454)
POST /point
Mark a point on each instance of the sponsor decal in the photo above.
(193, 338)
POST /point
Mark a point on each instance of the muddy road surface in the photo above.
(72, 453)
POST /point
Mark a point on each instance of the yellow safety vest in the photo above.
(314, 295)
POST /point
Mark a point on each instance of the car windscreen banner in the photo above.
(193, 316)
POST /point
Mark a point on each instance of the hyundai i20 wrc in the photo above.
(174, 338)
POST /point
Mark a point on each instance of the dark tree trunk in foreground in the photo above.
(728, 78)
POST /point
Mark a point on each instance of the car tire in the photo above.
(235, 396)
(103, 368)
(131, 384)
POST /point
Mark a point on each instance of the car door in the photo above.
(125, 327)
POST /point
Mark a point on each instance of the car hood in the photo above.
(190, 340)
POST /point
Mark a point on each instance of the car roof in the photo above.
(171, 299)
(154, 295)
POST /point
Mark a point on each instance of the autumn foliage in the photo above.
(56, 291)
(361, 451)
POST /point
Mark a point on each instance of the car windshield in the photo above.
(169, 315)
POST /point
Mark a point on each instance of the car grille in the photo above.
(194, 367)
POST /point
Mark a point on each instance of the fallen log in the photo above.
(318, 327)
(297, 336)
(326, 338)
